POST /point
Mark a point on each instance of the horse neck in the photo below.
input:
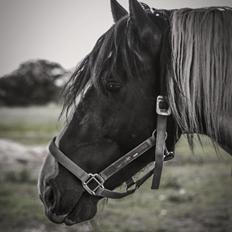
(224, 135)
(225, 132)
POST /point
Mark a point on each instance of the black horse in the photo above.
(184, 55)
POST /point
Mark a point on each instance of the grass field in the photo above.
(195, 193)
(30, 125)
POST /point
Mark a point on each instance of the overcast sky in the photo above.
(63, 31)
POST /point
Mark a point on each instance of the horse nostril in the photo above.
(50, 198)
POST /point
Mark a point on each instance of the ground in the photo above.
(194, 196)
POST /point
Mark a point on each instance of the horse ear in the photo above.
(147, 30)
(137, 13)
(117, 10)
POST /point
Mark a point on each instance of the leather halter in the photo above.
(94, 183)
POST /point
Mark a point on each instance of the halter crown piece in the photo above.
(94, 183)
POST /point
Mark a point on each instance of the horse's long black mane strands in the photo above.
(201, 79)
(116, 51)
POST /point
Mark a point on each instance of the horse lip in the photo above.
(68, 222)
(58, 219)
(52, 216)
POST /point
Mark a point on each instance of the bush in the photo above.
(33, 83)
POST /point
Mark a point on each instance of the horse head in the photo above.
(111, 101)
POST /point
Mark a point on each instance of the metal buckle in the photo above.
(97, 179)
(168, 155)
(159, 109)
(154, 135)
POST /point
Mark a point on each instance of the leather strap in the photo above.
(117, 195)
(128, 158)
(159, 150)
(100, 178)
(66, 162)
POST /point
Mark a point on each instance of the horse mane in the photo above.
(115, 54)
(200, 77)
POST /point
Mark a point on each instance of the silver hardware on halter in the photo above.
(159, 109)
(97, 179)
(154, 134)
(168, 155)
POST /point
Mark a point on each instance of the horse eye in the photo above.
(113, 86)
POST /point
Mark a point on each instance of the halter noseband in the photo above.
(94, 183)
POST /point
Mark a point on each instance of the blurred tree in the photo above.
(33, 83)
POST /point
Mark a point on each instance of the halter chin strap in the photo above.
(94, 183)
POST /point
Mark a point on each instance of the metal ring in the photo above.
(154, 134)
(98, 180)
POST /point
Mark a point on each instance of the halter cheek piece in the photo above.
(94, 183)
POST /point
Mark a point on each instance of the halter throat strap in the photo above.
(163, 112)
